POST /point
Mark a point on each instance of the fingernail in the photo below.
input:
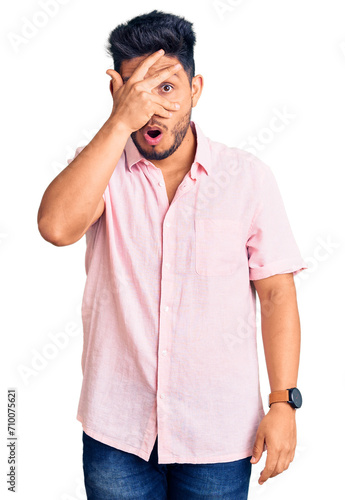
(253, 459)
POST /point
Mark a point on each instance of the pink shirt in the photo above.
(169, 310)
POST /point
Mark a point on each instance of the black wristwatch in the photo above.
(292, 396)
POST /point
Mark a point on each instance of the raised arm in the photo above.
(73, 200)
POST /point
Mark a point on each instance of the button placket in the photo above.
(165, 323)
(167, 294)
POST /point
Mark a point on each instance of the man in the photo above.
(181, 233)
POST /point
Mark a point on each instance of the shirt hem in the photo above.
(165, 459)
(203, 459)
(103, 438)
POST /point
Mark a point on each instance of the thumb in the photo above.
(258, 448)
(116, 80)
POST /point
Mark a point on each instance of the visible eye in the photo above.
(167, 85)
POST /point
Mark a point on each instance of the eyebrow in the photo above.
(125, 78)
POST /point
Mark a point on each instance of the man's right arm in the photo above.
(73, 201)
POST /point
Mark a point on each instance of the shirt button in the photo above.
(164, 352)
(146, 162)
(167, 224)
(160, 184)
(167, 265)
(166, 308)
(162, 396)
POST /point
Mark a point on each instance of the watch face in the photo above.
(296, 397)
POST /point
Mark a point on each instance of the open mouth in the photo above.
(153, 136)
(154, 133)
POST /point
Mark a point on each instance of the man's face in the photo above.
(175, 89)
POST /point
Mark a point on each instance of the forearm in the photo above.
(281, 336)
(71, 199)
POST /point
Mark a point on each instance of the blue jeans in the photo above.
(113, 474)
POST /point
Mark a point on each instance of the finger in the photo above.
(140, 72)
(161, 111)
(289, 459)
(270, 465)
(287, 463)
(258, 448)
(154, 104)
(165, 103)
(152, 81)
(281, 465)
(116, 80)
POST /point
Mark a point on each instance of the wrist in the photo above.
(282, 406)
(117, 127)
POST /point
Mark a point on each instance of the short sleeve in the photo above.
(271, 245)
(77, 151)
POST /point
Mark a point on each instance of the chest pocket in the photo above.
(217, 246)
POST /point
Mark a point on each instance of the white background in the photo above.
(257, 59)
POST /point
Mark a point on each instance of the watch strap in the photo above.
(277, 396)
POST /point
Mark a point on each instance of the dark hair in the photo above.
(150, 32)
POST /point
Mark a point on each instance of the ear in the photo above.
(197, 86)
(111, 87)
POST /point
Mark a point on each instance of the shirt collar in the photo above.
(202, 153)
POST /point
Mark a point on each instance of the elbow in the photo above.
(50, 234)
